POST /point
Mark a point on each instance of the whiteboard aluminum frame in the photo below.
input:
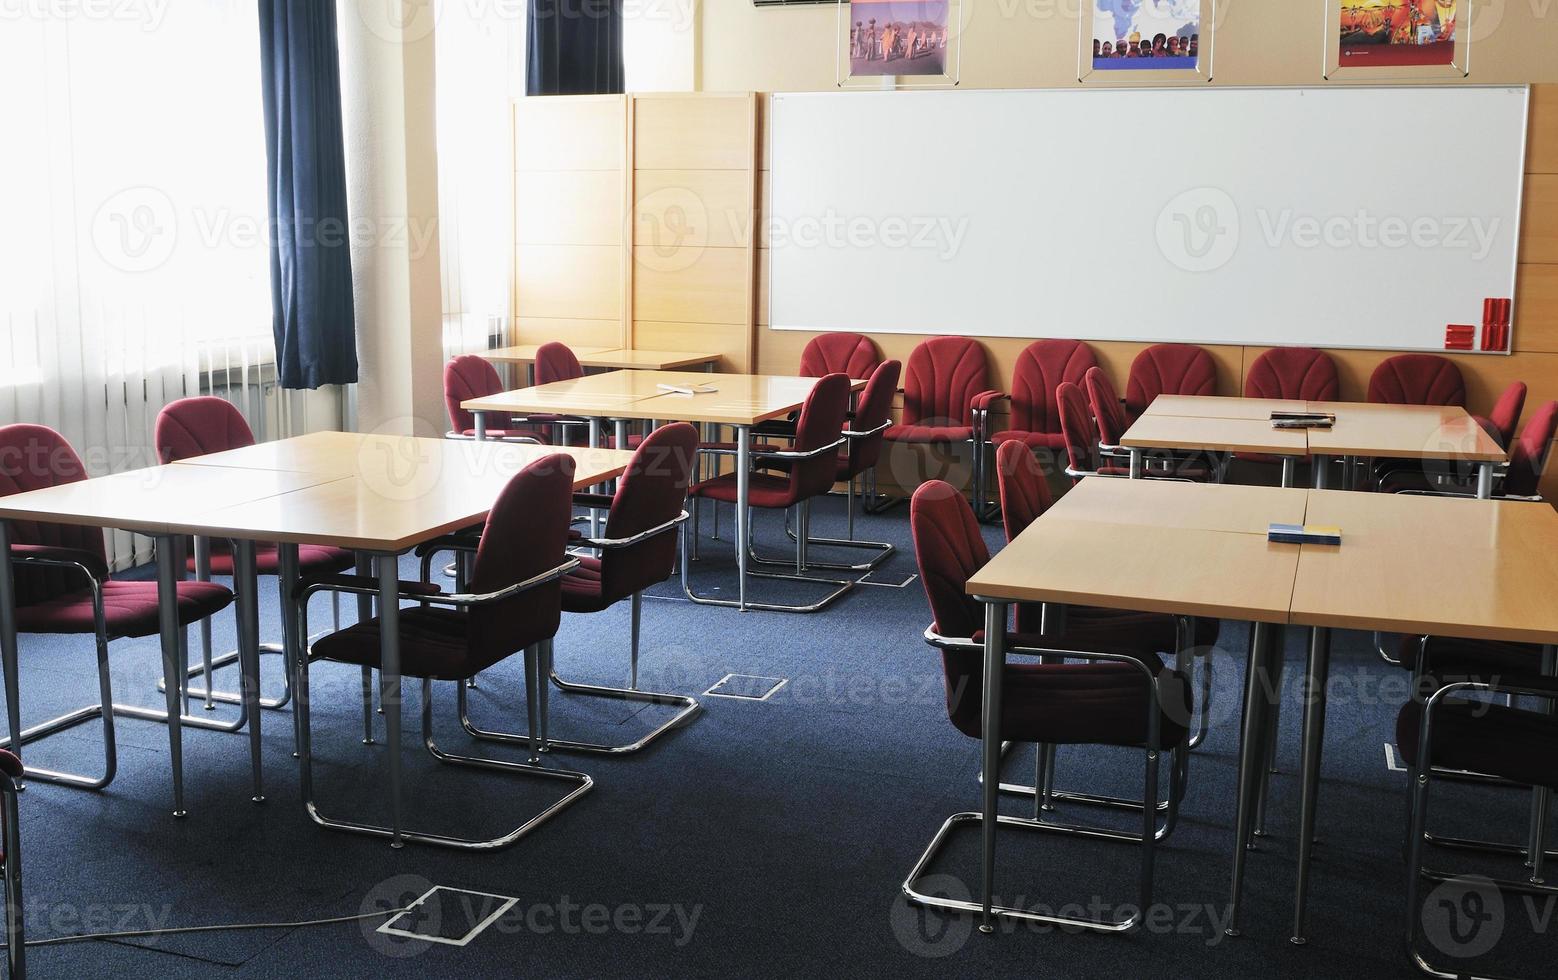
(876, 83)
(1331, 67)
(1524, 88)
(1149, 77)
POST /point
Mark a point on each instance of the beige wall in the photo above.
(1033, 44)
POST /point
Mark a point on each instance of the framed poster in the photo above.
(880, 41)
(1398, 38)
(1146, 40)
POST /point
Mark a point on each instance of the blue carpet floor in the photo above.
(764, 839)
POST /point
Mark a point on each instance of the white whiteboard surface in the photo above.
(1340, 217)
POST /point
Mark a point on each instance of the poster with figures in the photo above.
(898, 37)
(1396, 33)
(1146, 35)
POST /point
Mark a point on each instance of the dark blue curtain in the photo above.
(575, 47)
(311, 258)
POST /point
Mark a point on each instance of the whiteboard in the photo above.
(1339, 217)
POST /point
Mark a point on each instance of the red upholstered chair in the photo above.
(1108, 409)
(512, 602)
(1502, 422)
(1081, 436)
(812, 464)
(11, 864)
(1169, 369)
(1035, 418)
(1449, 733)
(556, 362)
(1025, 496)
(636, 550)
(1417, 379)
(1295, 373)
(198, 427)
(1113, 694)
(942, 383)
(469, 376)
(63, 587)
(848, 354)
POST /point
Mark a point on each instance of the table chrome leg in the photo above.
(1252, 758)
(1289, 471)
(1314, 744)
(389, 680)
(743, 510)
(203, 574)
(1136, 463)
(594, 427)
(365, 613)
(481, 425)
(995, 667)
(8, 651)
(1485, 481)
(293, 642)
(1322, 466)
(246, 585)
(168, 621)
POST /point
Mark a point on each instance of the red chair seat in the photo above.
(433, 644)
(1066, 704)
(313, 559)
(1033, 440)
(129, 609)
(582, 592)
(764, 490)
(929, 433)
(1487, 738)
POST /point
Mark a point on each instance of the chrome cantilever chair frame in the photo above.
(688, 706)
(884, 549)
(1418, 781)
(535, 692)
(1150, 834)
(107, 709)
(802, 541)
(15, 938)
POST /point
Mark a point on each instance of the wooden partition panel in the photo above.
(570, 189)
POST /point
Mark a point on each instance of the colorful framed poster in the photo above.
(1146, 40)
(881, 41)
(1398, 38)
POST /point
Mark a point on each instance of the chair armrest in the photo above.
(1522, 685)
(364, 585)
(458, 541)
(986, 400)
(867, 433)
(599, 500)
(797, 454)
(640, 537)
(54, 557)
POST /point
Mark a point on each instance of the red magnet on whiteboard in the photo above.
(1459, 336)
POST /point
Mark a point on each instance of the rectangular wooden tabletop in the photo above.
(1432, 434)
(647, 360)
(1223, 435)
(526, 353)
(736, 399)
(1222, 407)
(413, 491)
(1195, 572)
(155, 500)
(1170, 503)
(1446, 566)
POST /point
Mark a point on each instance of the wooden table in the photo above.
(1410, 564)
(739, 401)
(613, 358)
(378, 494)
(1409, 432)
(1214, 434)
(1222, 407)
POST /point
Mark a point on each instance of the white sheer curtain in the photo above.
(133, 256)
(480, 56)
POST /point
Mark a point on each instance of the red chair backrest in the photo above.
(33, 457)
(468, 376)
(1294, 373)
(1108, 411)
(1077, 427)
(821, 422)
(1025, 493)
(650, 493)
(1040, 367)
(198, 426)
(949, 549)
(872, 408)
(1417, 379)
(1528, 458)
(839, 353)
(944, 374)
(1169, 369)
(1505, 417)
(526, 534)
(556, 362)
